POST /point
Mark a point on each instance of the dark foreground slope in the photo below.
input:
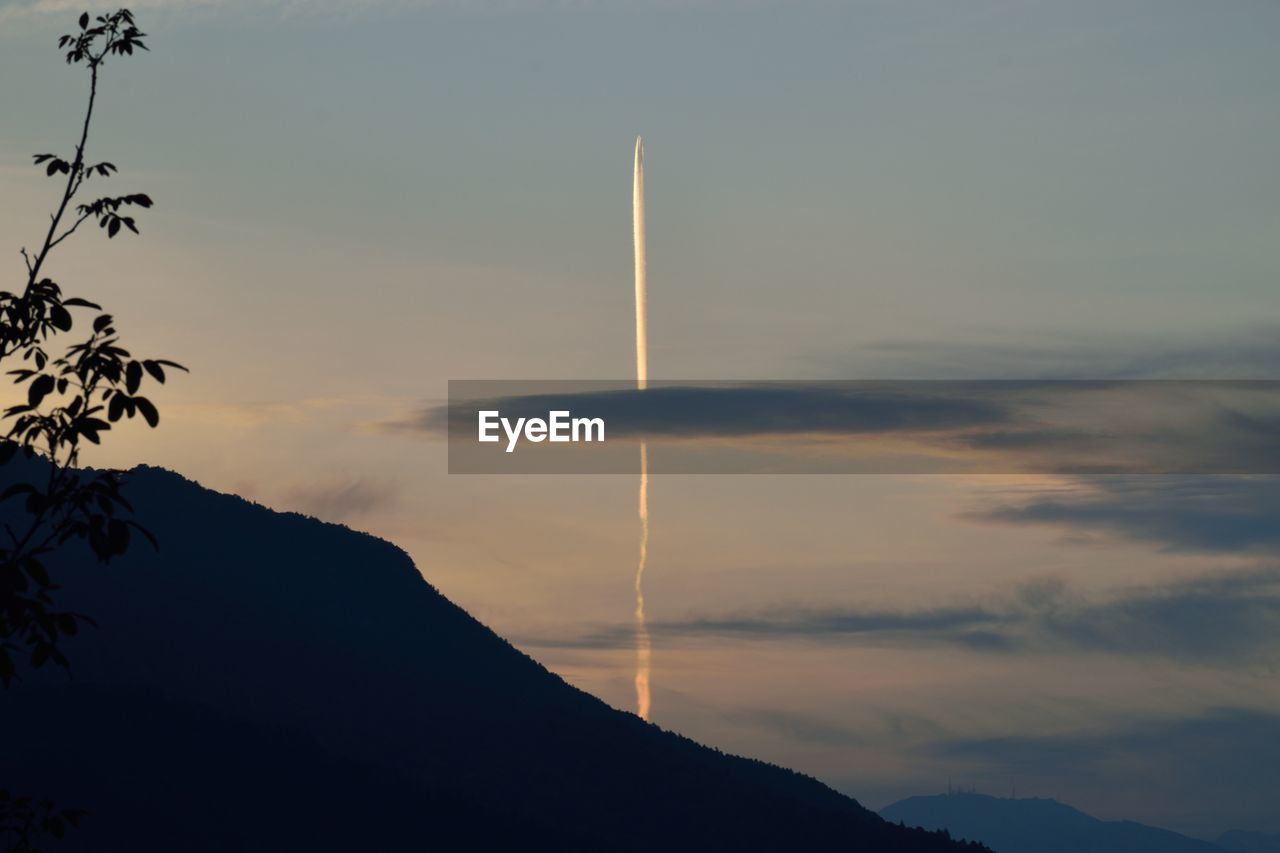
(1037, 826)
(270, 682)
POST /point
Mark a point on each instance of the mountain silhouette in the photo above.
(1036, 826)
(1242, 841)
(267, 681)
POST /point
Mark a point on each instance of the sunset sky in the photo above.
(357, 201)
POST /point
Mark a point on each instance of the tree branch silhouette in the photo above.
(71, 397)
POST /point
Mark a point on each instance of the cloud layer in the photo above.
(1226, 619)
(1189, 514)
(1097, 427)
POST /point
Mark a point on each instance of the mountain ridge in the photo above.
(262, 652)
(1036, 825)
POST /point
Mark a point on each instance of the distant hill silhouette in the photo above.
(1036, 826)
(1241, 841)
(269, 682)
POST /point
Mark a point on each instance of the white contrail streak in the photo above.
(642, 382)
(637, 227)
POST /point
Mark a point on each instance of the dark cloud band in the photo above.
(992, 427)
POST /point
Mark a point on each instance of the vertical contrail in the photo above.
(642, 381)
(637, 225)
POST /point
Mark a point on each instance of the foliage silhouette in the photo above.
(72, 394)
(70, 398)
(23, 821)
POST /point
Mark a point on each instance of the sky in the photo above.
(358, 201)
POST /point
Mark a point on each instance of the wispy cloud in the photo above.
(341, 500)
(1231, 618)
(1225, 761)
(1133, 765)
(250, 415)
(1192, 514)
(805, 728)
